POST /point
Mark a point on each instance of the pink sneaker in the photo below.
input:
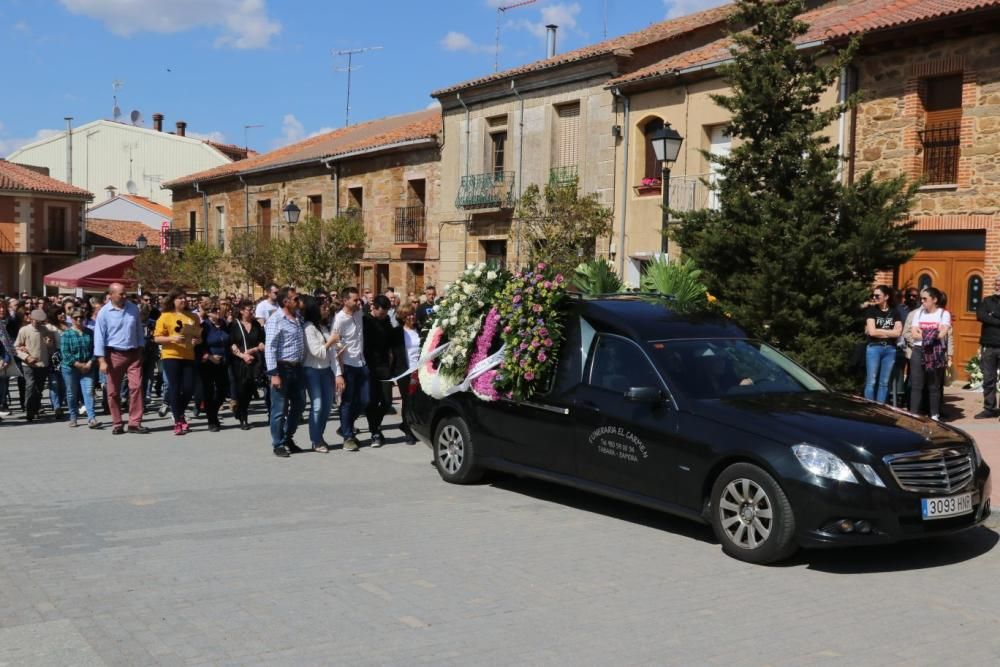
(184, 427)
(177, 429)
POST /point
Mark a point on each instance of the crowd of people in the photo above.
(319, 354)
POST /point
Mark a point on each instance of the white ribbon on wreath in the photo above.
(430, 356)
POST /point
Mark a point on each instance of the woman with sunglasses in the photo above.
(931, 325)
(78, 367)
(882, 328)
(178, 332)
(213, 357)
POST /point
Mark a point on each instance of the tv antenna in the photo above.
(501, 10)
(246, 144)
(116, 113)
(151, 178)
(136, 116)
(132, 188)
(350, 53)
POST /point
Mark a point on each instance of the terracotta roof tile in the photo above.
(232, 151)
(830, 22)
(363, 136)
(657, 32)
(19, 177)
(118, 232)
(149, 204)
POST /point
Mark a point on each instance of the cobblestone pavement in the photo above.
(205, 549)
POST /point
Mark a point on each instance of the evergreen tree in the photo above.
(791, 251)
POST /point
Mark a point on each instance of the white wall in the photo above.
(123, 209)
(102, 158)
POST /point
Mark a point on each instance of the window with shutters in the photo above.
(57, 229)
(498, 143)
(940, 138)
(316, 206)
(567, 153)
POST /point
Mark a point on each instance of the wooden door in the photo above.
(959, 274)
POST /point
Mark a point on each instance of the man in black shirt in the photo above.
(425, 309)
(989, 314)
(378, 337)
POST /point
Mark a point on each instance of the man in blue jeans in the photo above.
(352, 380)
(284, 352)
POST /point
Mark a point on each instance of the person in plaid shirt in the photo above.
(76, 347)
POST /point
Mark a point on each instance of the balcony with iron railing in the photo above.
(490, 190)
(942, 147)
(411, 225)
(563, 176)
(177, 239)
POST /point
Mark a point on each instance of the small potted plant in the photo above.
(649, 185)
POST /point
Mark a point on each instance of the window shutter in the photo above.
(568, 135)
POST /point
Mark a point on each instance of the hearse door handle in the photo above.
(588, 406)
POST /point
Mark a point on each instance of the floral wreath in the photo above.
(532, 331)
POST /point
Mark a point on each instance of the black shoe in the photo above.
(141, 430)
(282, 452)
(390, 410)
(214, 428)
(118, 430)
(987, 413)
(292, 447)
(377, 439)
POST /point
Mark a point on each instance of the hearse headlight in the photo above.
(977, 456)
(823, 464)
(869, 475)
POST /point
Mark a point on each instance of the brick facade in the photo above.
(891, 117)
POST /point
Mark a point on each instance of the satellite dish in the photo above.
(135, 116)
(132, 188)
(117, 113)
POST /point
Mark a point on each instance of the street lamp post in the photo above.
(141, 242)
(667, 146)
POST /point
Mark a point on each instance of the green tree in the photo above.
(199, 267)
(558, 226)
(153, 271)
(792, 251)
(255, 257)
(321, 253)
(679, 280)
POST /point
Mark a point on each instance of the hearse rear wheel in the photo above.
(454, 453)
(751, 515)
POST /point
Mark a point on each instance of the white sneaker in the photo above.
(82, 411)
(936, 418)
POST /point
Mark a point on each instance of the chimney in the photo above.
(181, 127)
(158, 122)
(550, 40)
(111, 191)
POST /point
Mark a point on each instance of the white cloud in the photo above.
(21, 26)
(292, 131)
(562, 15)
(10, 144)
(459, 41)
(677, 8)
(433, 105)
(216, 136)
(244, 23)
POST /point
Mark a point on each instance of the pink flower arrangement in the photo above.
(483, 386)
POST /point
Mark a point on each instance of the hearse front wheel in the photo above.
(454, 453)
(751, 515)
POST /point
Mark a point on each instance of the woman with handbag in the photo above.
(930, 328)
(246, 337)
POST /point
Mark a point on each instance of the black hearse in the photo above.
(686, 414)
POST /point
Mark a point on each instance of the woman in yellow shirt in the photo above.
(177, 332)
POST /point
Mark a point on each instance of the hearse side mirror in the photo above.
(644, 395)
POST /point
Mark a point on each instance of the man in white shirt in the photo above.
(268, 306)
(352, 377)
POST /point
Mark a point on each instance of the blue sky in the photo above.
(223, 64)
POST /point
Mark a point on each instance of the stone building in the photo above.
(929, 80)
(385, 171)
(548, 121)
(40, 223)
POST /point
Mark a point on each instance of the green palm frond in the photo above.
(596, 277)
(678, 280)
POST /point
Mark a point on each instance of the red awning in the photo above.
(96, 273)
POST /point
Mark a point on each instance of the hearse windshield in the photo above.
(718, 368)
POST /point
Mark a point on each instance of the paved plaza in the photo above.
(206, 549)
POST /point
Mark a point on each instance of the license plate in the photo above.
(939, 508)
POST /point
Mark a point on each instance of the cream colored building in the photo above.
(110, 153)
(551, 120)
